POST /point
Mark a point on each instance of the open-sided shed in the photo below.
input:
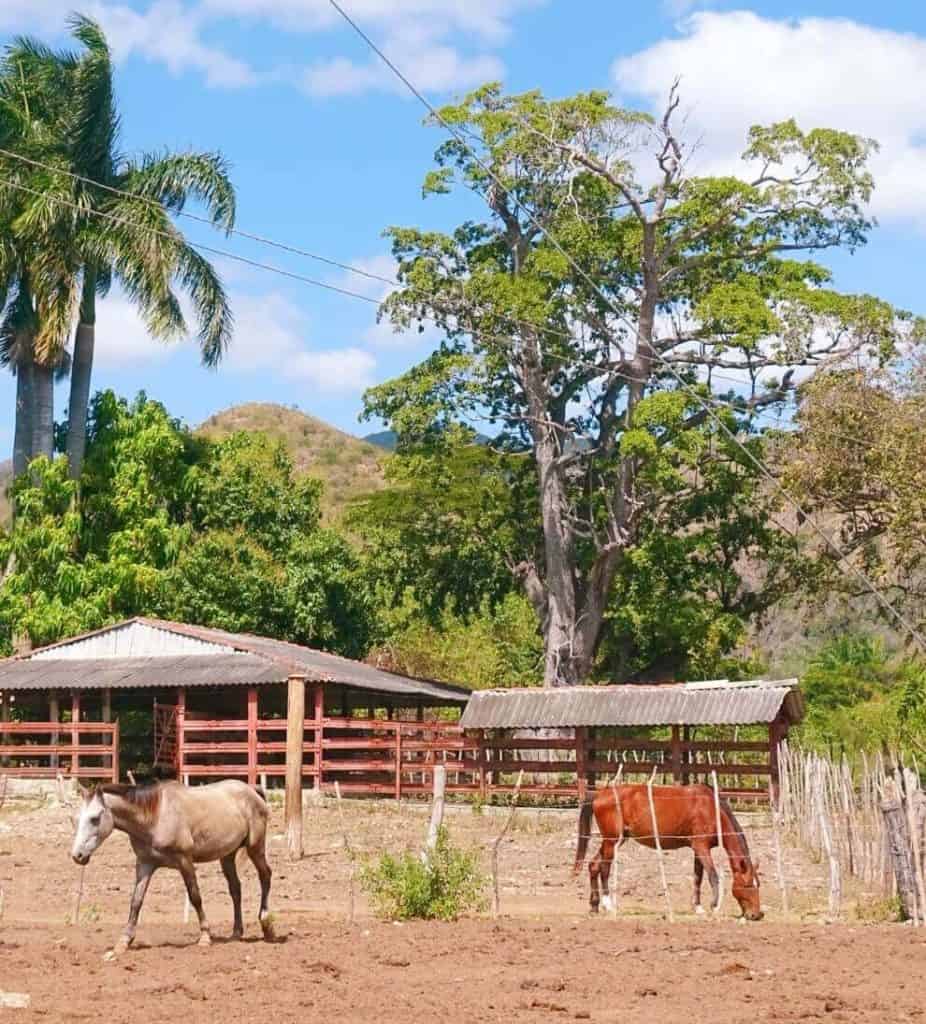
(214, 702)
(682, 731)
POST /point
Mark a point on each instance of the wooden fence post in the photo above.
(437, 809)
(398, 761)
(720, 845)
(4, 718)
(895, 825)
(75, 733)
(676, 755)
(252, 735)
(318, 704)
(580, 745)
(776, 840)
(662, 867)
(54, 715)
(106, 715)
(498, 839)
(114, 760)
(295, 728)
(179, 727)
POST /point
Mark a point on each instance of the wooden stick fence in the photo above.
(866, 821)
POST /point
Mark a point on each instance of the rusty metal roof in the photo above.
(716, 702)
(251, 660)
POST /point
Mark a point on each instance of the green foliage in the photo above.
(443, 886)
(497, 645)
(861, 698)
(216, 534)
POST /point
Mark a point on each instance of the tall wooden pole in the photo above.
(252, 735)
(4, 717)
(75, 733)
(295, 728)
(54, 715)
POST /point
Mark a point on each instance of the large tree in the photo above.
(594, 316)
(103, 216)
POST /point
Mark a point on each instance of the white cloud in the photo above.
(425, 37)
(739, 69)
(270, 336)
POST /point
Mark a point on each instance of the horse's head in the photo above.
(94, 825)
(746, 887)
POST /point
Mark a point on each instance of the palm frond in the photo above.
(198, 277)
(172, 179)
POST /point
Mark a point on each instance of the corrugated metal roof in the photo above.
(714, 703)
(255, 659)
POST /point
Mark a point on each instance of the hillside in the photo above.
(347, 465)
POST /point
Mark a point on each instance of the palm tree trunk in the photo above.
(81, 370)
(43, 422)
(25, 402)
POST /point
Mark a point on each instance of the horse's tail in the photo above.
(585, 826)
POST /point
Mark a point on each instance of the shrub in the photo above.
(443, 886)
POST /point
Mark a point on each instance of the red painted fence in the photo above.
(396, 758)
(34, 750)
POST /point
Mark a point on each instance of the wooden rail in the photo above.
(397, 758)
(40, 753)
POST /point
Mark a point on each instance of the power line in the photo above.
(263, 240)
(898, 616)
(742, 408)
(212, 250)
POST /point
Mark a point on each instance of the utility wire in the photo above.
(898, 616)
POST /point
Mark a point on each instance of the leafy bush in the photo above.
(445, 885)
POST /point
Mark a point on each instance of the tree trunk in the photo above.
(25, 401)
(43, 422)
(81, 370)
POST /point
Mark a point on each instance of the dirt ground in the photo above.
(544, 959)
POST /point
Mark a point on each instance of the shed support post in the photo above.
(295, 732)
(252, 735)
(580, 744)
(75, 733)
(318, 754)
(106, 715)
(181, 733)
(398, 761)
(777, 731)
(4, 717)
(686, 755)
(54, 715)
(676, 755)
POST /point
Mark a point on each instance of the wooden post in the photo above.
(662, 867)
(776, 733)
(721, 847)
(676, 755)
(295, 730)
(776, 839)
(114, 760)
(252, 735)
(319, 750)
(4, 718)
(54, 715)
(437, 808)
(498, 839)
(75, 734)
(686, 755)
(580, 744)
(181, 733)
(826, 839)
(895, 826)
(398, 760)
(107, 716)
(483, 755)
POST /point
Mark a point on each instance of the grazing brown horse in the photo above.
(174, 826)
(686, 816)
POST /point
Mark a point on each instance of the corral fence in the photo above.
(866, 819)
(44, 750)
(397, 758)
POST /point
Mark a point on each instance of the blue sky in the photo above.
(327, 151)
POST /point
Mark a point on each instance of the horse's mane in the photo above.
(147, 798)
(728, 810)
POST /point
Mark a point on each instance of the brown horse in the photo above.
(173, 826)
(686, 816)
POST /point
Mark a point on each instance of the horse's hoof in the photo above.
(699, 910)
(205, 939)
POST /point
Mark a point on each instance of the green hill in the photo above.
(348, 466)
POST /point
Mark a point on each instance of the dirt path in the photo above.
(544, 960)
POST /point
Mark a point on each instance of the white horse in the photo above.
(173, 826)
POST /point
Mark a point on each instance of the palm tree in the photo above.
(108, 218)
